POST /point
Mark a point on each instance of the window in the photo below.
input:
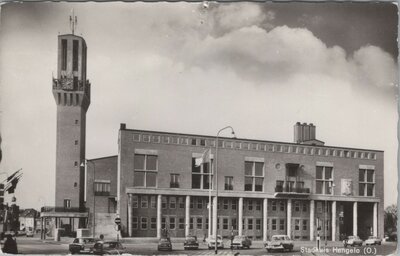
(135, 222)
(234, 204)
(76, 121)
(165, 139)
(172, 202)
(156, 138)
(181, 224)
(194, 142)
(153, 223)
(143, 223)
(225, 224)
(366, 185)
(191, 202)
(282, 205)
(202, 142)
(234, 223)
(305, 225)
(226, 204)
(171, 222)
(206, 223)
(228, 183)
(305, 207)
(201, 175)
(253, 176)
(163, 223)
(183, 141)
(135, 201)
(144, 203)
(296, 224)
(282, 224)
(64, 54)
(297, 206)
(174, 183)
(258, 224)
(199, 223)
(153, 202)
(250, 205)
(175, 140)
(75, 50)
(254, 146)
(163, 202)
(76, 142)
(273, 205)
(191, 223)
(199, 203)
(136, 137)
(228, 144)
(245, 145)
(76, 164)
(250, 224)
(112, 205)
(324, 180)
(258, 205)
(101, 188)
(145, 173)
(273, 224)
(262, 147)
(67, 203)
(181, 202)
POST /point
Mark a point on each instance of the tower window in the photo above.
(76, 142)
(63, 54)
(75, 55)
(67, 203)
(75, 184)
(76, 164)
(76, 121)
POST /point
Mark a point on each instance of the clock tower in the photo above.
(71, 91)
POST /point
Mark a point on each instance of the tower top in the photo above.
(73, 22)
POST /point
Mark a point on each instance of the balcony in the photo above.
(289, 190)
(63, 209)
(174, 184)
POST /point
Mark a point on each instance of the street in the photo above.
(143, 247)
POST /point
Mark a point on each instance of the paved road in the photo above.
(305, 248)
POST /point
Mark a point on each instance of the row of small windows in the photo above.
(253, 146)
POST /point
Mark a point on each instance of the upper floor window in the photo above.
(253, 176)
(366, 182)
(102, 188)
(64, 54)
(67, 203)
(75, 50)
(145, 170)
(324, 180)
(228, 182)
(201, 175)
(174, 183)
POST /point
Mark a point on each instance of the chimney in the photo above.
(304, 132)
(312, 131)
(298, 133)
(122, 126)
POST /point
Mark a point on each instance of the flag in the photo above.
(205, 158)
(12, 182)
(13, 175)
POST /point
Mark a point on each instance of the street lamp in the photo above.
(94, 191)
(325, 217)
(216, 184)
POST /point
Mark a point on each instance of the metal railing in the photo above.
(289, 189)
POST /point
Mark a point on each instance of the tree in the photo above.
(390, 218)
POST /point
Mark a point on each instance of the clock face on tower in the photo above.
(67, 83)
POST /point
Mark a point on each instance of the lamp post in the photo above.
(326, 207)
(94, 191)
(216, 184)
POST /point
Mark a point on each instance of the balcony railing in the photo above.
(63, 209)
(174, 185)
(70, 85)
(288, 189)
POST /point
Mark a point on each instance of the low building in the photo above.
(302, 189)
(27, 219)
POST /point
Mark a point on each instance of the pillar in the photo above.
(312, 208)
(41, 228)
(265, 219)
(289, 218)
(159, 216)
(355, 219)
(187, 215)
(215, 216)
(209, 216)
(375, 219)
(240, 216)
(130, 215)
(333, 221)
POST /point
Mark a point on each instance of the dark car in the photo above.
(164, 244)
(108, 247)
(241, 242)
(191, 243)
(83, 244)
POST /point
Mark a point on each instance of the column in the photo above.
(187, 216)
(210, 216)
(289, 218)
(312, 207)
(333, 220)
(265, 219)
(375, 219)
(41, 228)
(215, 216)
(159, 216)
(240, 216)
(130, 215)
(355, 219)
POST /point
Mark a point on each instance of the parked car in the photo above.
(30, 232)
(191, 243)
(241, 242)
(83, 244)
(352, 241)
(211, 243)
(164, 244)
(372, 240)
(279, 242)
(108, 247)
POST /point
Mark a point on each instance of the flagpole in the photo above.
(209, 196)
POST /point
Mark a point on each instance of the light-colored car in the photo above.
(352, 241)
(241, 242)
(82, 245)
(372, 240)
(279, 242)
(211, 243)
(30, 232)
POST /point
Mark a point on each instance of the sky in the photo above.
(197, 67)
